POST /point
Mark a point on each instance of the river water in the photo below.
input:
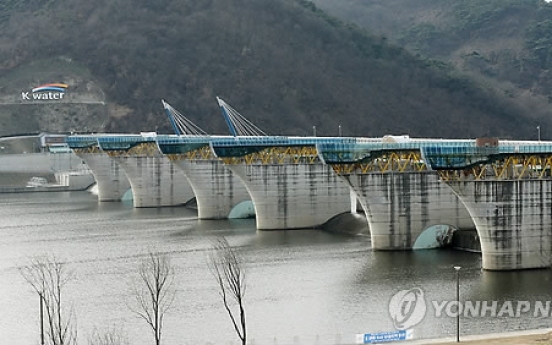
(303, 286)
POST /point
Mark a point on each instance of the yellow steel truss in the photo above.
(89, 149)
(142, 149)
(514, 167)
(277, 155)
(203, 153)
(399, 161)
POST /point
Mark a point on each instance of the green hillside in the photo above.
(284, 64)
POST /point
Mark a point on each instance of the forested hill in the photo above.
(504, 43)
(284, 64)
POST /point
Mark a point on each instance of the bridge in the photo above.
(405, 186)
(504, 186)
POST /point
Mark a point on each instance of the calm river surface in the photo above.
(303, 286)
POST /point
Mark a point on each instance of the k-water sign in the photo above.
(46, 92)
(384, 337)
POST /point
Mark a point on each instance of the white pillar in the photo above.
(293, 196)
(513, 220)
(110, 178)
(216, 188)
(155, 181)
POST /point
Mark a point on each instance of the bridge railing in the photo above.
(462, 157)
(268, 141)
(349, 153)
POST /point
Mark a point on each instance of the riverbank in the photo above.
(535, 336)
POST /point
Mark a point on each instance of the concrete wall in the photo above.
(39, 163)
(400, 206)
(294, 196)
(75, 180)
(155, 181)
(111, 179)
(513, 220)
(216, 188)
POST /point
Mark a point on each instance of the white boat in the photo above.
(36, 181)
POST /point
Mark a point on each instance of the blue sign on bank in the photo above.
(375, 338)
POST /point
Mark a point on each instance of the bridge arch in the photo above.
(400, 207)
(243, 210)
(434, 236)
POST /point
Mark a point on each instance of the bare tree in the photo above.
(48, 277)
(111, 336)
(156, 293)
(227, 268)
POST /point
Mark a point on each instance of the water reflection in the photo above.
(305, 286)
(528, 285)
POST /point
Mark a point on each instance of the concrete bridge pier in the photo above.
(513, 220)
(110, 178)
(293, 196)
(155, 181)
(399, 207)
(216, 188)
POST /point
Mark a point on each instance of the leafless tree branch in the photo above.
(156, 292)
(112, 336)
(226, 267)
(48, 277)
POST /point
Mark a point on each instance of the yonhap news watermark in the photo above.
(407, 308)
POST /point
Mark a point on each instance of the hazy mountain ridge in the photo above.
(285, 65)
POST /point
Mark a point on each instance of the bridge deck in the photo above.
(437, 153)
